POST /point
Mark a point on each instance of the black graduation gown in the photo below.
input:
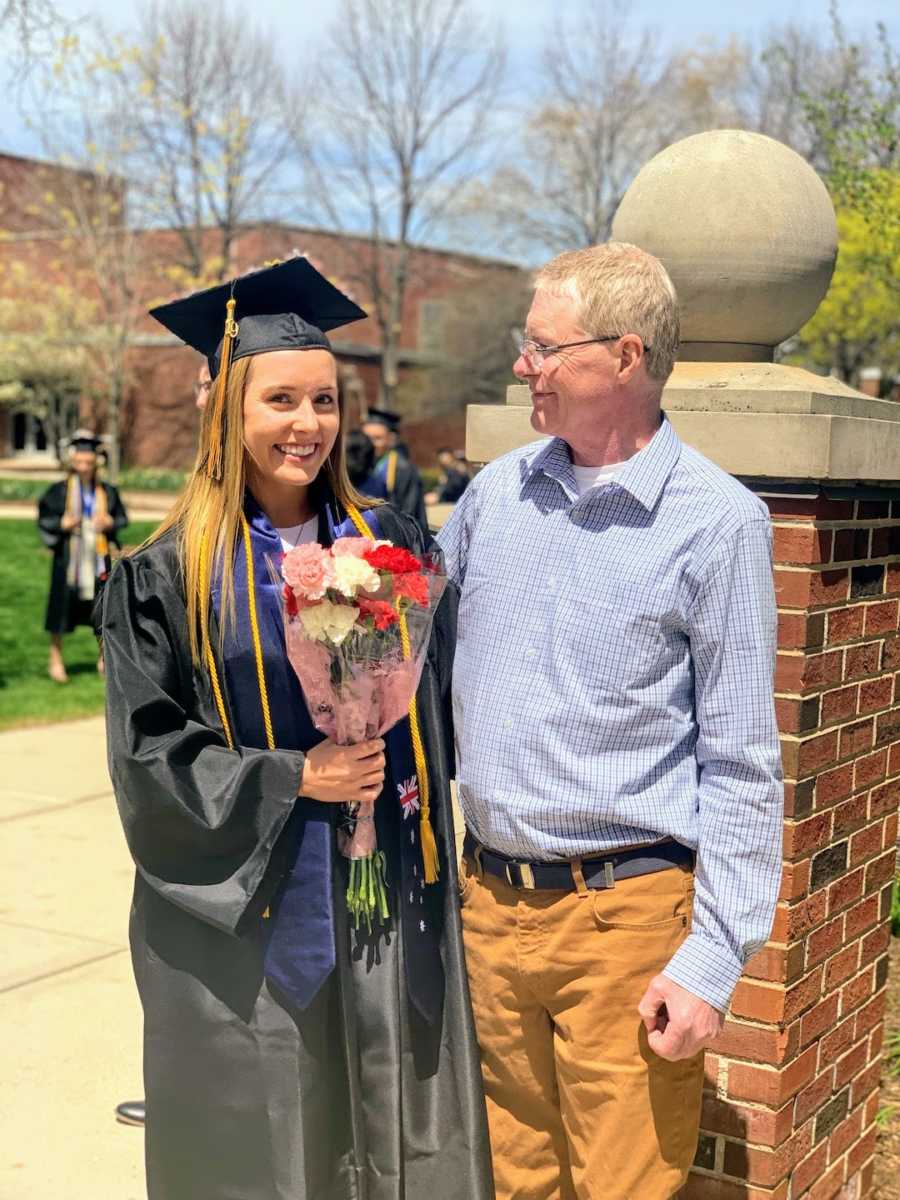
(355, 1098)
(65, 609)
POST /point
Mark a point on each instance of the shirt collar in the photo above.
(643, 476)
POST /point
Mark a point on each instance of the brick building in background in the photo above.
(159, 420)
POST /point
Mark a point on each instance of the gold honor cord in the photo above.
(257, 644)
(204, 633)
(429, 845)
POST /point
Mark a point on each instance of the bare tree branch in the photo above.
(412, 86)
(205, 93)
(79, 205)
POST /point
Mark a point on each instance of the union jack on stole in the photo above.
(409, 796)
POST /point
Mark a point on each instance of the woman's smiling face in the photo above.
(291, 415)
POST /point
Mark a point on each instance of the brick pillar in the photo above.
(792, 1091)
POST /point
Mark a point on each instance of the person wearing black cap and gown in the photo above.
(286, 1055)
(399, 477)
(78, 519)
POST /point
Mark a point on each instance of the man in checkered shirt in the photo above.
(618, 761)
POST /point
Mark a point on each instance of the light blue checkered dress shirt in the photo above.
(613, 678)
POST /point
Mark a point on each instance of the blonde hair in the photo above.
(619, 288)
(207, 515)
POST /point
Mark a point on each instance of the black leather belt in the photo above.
(599, 872)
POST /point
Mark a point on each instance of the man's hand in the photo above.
(678, 1023)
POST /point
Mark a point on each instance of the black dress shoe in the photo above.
(132, 1112)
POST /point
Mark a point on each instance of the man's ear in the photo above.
(631, 354)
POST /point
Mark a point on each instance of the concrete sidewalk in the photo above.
(70, 1022)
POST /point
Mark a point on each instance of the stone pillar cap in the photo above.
(747, 231)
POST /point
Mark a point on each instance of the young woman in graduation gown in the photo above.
(287, 1056)
(79, 519)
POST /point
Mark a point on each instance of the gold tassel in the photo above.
(215, 451)
(426, 832)
(218, 695)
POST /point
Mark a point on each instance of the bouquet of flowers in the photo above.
(357, 622)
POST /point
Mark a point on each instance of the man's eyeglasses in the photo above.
(534, 353)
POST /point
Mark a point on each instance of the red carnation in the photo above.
(412, 586)
(290, 601)
(394, 559)
(384, 614)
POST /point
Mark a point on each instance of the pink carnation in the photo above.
(308, 571)
(351, 546)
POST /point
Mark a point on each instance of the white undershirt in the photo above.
(298, 535)
(591, 477)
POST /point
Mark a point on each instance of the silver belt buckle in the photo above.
(525, 874)
(609, 874)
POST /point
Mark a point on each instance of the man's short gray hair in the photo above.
(619, 288)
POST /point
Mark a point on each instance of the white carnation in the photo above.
(352, 574)
(327, 622)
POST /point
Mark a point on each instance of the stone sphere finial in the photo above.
(745, 228)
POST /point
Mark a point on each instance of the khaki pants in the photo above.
(579, 1107)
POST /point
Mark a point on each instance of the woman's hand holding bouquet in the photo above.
(344, 774)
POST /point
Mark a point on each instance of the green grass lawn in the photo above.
(27, 695)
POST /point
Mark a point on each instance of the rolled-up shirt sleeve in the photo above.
(740, 795)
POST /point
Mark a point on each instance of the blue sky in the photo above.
(528, 25)
(687, 18)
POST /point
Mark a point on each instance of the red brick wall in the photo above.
(155, 433)
(792, 1090)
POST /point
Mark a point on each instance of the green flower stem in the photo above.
(367, 890)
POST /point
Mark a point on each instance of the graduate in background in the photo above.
(285, 1053)
(399, 477)
(360, 453)
(202, 385)
(78, 519)
(454, 479)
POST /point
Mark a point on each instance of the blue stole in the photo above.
(374, 486)
(300, 953)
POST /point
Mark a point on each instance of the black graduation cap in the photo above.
(84, 439)
(288, 306)
(381, 416)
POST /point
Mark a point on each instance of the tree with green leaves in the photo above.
(853, 119)
(857, 323)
